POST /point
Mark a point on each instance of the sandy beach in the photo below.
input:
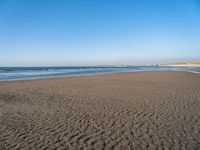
(142, 110)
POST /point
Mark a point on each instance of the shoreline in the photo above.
(98, 74)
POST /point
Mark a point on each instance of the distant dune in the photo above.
(183, 64)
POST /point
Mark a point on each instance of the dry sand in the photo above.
(144, 110)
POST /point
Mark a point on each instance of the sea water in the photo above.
(29, 73)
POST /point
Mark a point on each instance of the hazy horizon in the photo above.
(98, 32)
(104, 65)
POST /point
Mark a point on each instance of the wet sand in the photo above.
(143, 110)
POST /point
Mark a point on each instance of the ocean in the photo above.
(30, 73)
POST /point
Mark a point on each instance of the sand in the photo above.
(182, 65)
(143, 110)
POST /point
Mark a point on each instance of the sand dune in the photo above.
(144, 110)
(183, 64)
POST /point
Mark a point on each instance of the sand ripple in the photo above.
(149, 110)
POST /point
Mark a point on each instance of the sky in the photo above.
(98, 32)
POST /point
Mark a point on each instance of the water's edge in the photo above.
(32, 73)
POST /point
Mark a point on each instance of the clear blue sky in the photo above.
(98, 32)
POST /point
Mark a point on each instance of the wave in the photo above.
(29, 73)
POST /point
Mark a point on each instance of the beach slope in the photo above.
(142, 110)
